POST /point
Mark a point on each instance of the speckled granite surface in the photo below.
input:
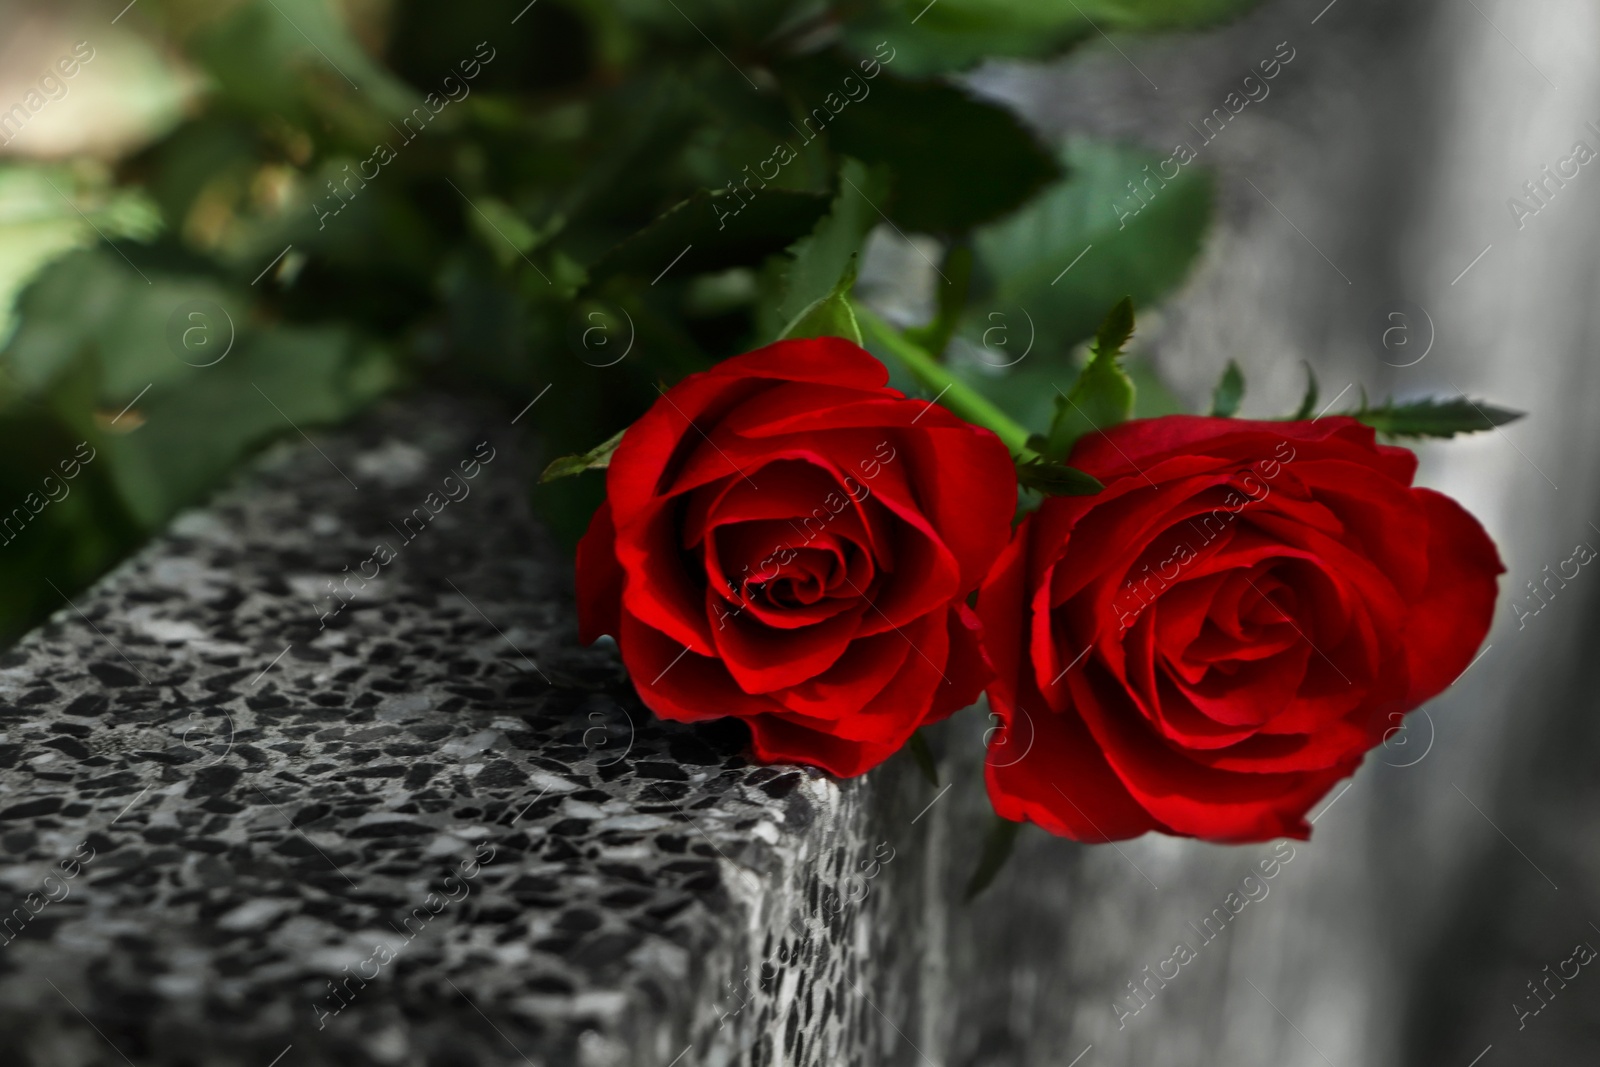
(243, 824)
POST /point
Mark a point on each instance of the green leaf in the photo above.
(266, 54)
(921, 50)
(720, 20)
(997, 846)
(1056, 479)
(955, 34)
(1102, 396)
(164, 447)
(983, 163)
(817, 260)
(1229, 391)
(274, 383)
(40, 220)
(924, 757)
(506, 234)
(714, 231)
(1108, 15)
(151, 329)
(597, 458)
(1027, 392)
(1053, 267)
(1431, 417)
(831, 315)
(1308, 403)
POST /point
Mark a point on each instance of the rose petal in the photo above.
(599, 580)
(1451, 618)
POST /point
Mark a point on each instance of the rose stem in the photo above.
(953, 393)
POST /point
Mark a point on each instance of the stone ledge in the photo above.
(428, 829)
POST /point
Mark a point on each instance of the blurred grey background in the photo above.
(1462, 862)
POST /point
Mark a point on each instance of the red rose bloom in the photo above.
(1211, 642)
(788, 541)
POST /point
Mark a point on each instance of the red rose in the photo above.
(788, 541)
(1211, 642)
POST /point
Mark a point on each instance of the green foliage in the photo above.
(1229, 391)
(1115, 330)
(47, 537)
(830, 315)
(46, 211)
(1056, 479)
(173, 401)
(1102, 396)
(817, 261)
(1028, 391)
(713, 231)
(94, 304)
(1308, 403)
(595, 199)
(982, 164)
(291, 55)
(1031, 259)
(1043, 277)
(1432, 417)
(279, 381)
(597, 458)
(955, 34)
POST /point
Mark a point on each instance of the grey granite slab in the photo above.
(249, 819)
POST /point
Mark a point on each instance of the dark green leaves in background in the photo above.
(584, 205)
(714, 231)
(1044, 277)
(1129, 247)
(955, 34)
(954, 161)
(817, 262)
